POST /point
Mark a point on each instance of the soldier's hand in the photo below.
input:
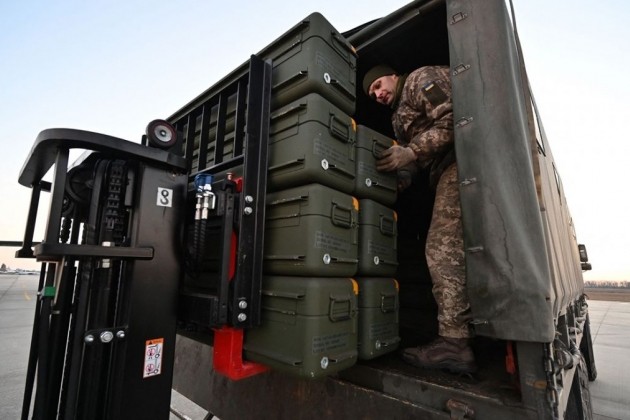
(395, 157)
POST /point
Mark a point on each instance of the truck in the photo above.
(165, 264)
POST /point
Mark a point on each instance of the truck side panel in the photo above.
(507, 266)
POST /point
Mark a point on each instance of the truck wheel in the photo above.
(586, 348)
(579, 406)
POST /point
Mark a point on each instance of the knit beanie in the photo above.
(374, 73)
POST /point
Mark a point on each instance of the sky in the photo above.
(112, 67)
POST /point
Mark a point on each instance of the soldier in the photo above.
(422, 120)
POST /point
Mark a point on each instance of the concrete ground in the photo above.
(610, 324)
(18, 295)
(610, 392)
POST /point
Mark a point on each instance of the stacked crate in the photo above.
(316, 318)
(378, 290)
(309, 300)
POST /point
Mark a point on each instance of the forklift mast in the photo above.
(124, 247)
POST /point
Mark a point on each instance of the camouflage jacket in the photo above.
(423, 117)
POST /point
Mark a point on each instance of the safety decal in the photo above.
(165, 197)
(153, 357)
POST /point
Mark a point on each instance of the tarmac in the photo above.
(610, 324)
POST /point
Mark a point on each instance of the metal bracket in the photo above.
(464, 121)
(105, 335)
(458, 17)
(460, 68)
(468, 181)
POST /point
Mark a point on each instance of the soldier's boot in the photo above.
(452, 354)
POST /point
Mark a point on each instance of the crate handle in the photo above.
(378, 148)
(382, 261)
(341, 171)
(276, 204)
(341, 216)
(268, 257)
(279, 357)
(286, 295)
(346, 47)
(341, 88)
(335, 131)
(388, 302)
(302, 74)
(288, 111)
(341, 357)
(339, 301)
(295, 37)
(341, 260)
(285, 165)
(390, 342)
(288, 200)
(387, 225)
(376, 184)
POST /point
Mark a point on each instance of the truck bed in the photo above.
(385, 387)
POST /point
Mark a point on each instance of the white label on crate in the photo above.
(164, 197)
(153, 357)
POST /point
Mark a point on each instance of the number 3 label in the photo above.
(164, 197)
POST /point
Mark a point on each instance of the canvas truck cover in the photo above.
(508, 274)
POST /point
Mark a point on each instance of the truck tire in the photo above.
(586, 348)
(579, 406)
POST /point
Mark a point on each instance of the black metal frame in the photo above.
(52, 148)
(86, 378)
(60, 359)
(244, 210)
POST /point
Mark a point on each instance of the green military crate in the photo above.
(311, 141)
(309, 326)
(311, 230)
(370, 183)
(378, 316)
(313, 57)
(377, 240)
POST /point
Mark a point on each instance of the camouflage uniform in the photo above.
(423, 121)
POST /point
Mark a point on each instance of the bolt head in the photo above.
(106, 336)
(120, 334)
(89, 339)
(242, 304)
(324, 362)
(242, 317)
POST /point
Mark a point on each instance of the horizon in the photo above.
(36, 271)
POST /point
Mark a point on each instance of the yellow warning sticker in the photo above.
(153, 357)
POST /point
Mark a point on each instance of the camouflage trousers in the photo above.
(445, 258)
